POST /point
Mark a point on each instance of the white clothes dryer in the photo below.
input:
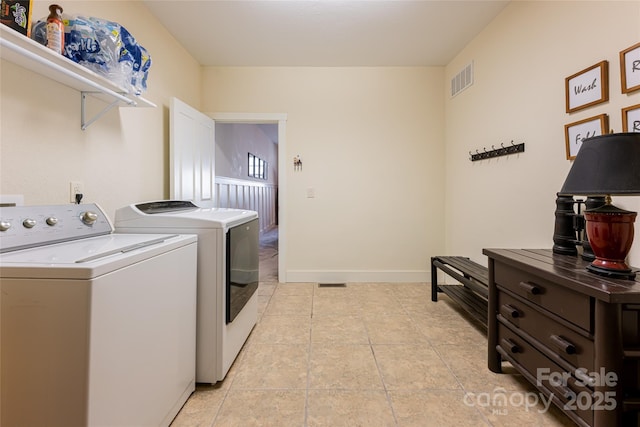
(228, 258)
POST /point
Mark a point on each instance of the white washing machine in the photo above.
(228, 258)
(98, 329)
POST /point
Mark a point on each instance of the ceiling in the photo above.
(324, 32)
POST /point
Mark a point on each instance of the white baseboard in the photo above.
(358, 276)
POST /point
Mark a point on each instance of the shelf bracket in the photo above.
(84, 123)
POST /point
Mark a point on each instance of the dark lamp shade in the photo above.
(606, 165)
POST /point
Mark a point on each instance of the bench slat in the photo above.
(479, 272)
(473, 293)
(479, 287)
(472, 305)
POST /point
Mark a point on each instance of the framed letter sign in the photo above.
(575, 133)
(631, 119)
(630, 69)
(587, 87)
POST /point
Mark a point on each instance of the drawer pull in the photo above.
(566, 392)
(563, 344)
(510, 311)
(583, 376)
(509, 345)
(531, 288)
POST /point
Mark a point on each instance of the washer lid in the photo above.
(88, 258)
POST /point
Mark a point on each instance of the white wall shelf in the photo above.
(21, 50)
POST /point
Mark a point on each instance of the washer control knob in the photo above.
(5, 225)
(89, 217)
(52, 220)
(29, 223)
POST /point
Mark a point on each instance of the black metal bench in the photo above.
(473, 291)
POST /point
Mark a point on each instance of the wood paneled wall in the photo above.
(252, 195)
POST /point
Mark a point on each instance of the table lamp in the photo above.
(608, 165)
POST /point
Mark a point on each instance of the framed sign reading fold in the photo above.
(576, 132)
(630, 69)
(587, 87)
(631, 119)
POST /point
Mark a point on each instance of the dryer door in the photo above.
(242, 266)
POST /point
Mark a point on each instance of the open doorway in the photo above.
(272, 254)
(269, 256)
(246, 165)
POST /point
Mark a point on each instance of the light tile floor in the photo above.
(364, 355)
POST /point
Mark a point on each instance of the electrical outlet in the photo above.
(75, 187)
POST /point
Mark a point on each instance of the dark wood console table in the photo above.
(573, 334)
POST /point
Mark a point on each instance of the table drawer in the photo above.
(571, 346)
(569, 305)
(563, 385)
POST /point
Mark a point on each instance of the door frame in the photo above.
(281, 120)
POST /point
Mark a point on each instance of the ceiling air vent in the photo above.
(462, 80)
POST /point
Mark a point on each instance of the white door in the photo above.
(192, 155)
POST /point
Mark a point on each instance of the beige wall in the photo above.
(385, 149)
(123, 157)
(521, 61)
(371, 143)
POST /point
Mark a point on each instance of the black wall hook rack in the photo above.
(496, 152)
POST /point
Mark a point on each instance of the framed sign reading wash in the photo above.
(587, 87)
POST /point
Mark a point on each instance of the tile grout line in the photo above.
(384, 385)
(238, 360)
(462, 387)
(306, 394)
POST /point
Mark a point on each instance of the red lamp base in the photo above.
(610, 232)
